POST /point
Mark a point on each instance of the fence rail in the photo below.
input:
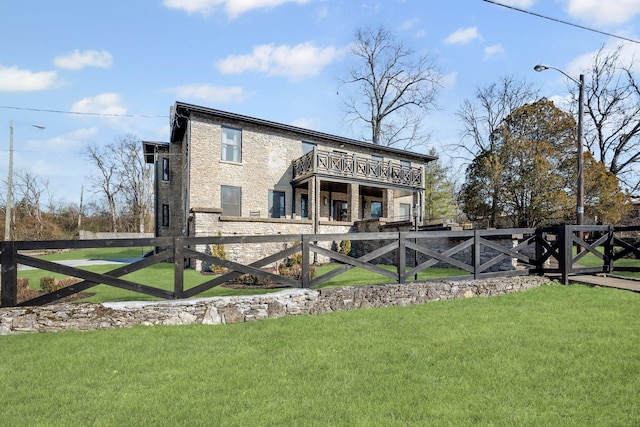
(478, 253)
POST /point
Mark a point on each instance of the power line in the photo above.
(42, 110)
(562, 22)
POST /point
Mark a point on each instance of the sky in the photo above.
(92, 72)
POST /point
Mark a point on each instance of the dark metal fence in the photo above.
(477, 253)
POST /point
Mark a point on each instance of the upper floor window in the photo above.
(231, 197)
(376, 159)
(307, 147)
(231, 145)
(405, 163)
(165, 169)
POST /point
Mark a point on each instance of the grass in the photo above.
(556, 355)
(161, 276)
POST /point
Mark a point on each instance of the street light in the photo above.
(7, 217)
(580, 184)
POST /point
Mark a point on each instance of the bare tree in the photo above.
(135, 178)
(612, 101)
(485, 112)
(106, 182)
(29, 189)
(395, 87)
(124, 179)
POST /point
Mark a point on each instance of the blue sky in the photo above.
(279, 60)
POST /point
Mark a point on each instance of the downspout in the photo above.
(187, 177)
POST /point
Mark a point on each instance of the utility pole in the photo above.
(7, 218)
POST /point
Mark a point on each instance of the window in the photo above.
(165, 215)
(376, 210)
(376, 159)
(307, 147)
(405, 164)
(231, 145)
(276, 204)
(405, 212)
(231, 197)
(304, 205)
(165, 169)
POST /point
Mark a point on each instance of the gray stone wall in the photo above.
(223, 310)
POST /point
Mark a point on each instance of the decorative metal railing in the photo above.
(357, 167)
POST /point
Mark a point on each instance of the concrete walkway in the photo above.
(84, 262)
(607, 281)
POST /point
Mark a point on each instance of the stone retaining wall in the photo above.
(235, 309)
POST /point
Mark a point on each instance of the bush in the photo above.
(50, 284)
(24, 292)
(220, 252)
(291, 267)
(345, 247)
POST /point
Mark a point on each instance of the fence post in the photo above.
(9, 275)
(402, 257)
(306, 268)
(539, 252)
(608, 250)
(476, 254)
(178, 267)
(566, 251)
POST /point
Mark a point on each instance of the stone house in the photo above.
(233, 174)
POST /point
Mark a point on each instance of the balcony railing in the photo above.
(357, 167)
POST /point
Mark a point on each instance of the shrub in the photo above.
(48, 284)
(24, 292)
(220, 252)
(345, 247)
(292, 267)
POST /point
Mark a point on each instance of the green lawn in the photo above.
(552, 356)
(161, 276)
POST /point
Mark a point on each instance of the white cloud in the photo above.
(449, 80)
(493, 51)
(13, 79)
(409, 24)
(67, 142)
(463, 36)
(103, 104)
(204, 92)
(629, 55)
(77, 60)
(233, 8)
(294, 62)
(601, 12)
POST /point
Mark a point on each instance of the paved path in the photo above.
(608, 281)
(83, 262)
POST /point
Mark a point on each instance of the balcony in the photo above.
(353, 167)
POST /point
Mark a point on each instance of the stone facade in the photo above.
(223, 310)
(317, 201)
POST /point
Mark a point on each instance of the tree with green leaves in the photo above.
(526, 179)
(439, 200)
(604, 202)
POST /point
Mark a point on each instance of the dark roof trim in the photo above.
(182, 110)
(149, 149)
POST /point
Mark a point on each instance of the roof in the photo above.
(182, 110)
(149, 149)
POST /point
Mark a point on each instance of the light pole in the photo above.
(7, 217)
(580, 185)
